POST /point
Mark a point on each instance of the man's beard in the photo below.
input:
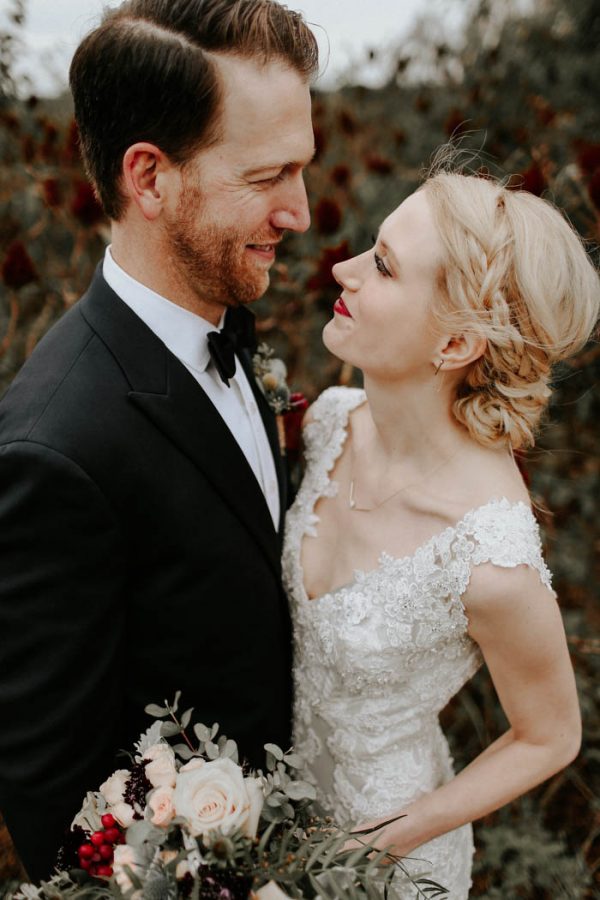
(213, 260)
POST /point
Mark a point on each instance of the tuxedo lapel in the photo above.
(270, 424)
(171, 398)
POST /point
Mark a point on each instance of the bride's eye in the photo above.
(381, 266)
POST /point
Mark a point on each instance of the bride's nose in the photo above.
(345, 274)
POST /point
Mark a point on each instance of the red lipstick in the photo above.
(340, 307)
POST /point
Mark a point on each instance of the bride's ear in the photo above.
(146, 177)
(461, 350)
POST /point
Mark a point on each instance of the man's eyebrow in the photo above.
(280, 166)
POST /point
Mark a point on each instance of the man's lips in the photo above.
(340, 307)
(266, 250)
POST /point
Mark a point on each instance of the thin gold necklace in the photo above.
(352, 502)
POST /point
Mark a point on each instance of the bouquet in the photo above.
(187, 820)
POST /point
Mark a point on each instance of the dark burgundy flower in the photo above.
(48, 147)
(456, 122)
(341, 175)
(52, 192)
(292, 421)
(320, 141)
(9, 120)
(137, 787)
(532, 180)
(67, 855)
(71, 151)
(85, 206)
(28, 148)
(323, 278)
(588, 156)
(223, 884)
(399, 137)
(348, 123)
(379, 164)
(594, 189)
(328, 216)
(423, 103)
(18, 268)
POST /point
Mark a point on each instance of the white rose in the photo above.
(161, 804)
(123, 813)
(124, 855)
(194, 763)
(254, 789)
(160, 768)
(271, 891)
(215, 796)
(114, 787)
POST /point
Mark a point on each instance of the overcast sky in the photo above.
(54, 27)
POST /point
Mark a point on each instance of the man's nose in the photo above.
(292, 212)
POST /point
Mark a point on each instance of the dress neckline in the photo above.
(385, 557)
(357, 400)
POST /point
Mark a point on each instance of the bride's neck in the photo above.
(413, 422)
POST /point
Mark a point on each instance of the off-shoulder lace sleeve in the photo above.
(506, 534)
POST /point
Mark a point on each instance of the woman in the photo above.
(411, 551)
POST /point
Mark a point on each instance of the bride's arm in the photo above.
(517, 624)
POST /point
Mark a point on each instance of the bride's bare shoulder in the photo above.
(473, 479)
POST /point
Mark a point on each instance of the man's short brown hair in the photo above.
(146, 74)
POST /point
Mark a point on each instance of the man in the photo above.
(142, 491)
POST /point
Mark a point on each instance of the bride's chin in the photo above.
(333, 341)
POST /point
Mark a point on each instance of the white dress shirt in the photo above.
(185, 335)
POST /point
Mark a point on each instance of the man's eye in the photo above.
(274, 180)
(381, 266)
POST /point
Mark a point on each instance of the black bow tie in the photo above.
(237, 333)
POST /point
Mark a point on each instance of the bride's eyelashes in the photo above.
(381, 266)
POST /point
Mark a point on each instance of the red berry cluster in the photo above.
(96, 856)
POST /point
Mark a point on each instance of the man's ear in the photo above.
(461, 350)
(144, 182)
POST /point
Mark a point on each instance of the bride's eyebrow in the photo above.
(389, 252)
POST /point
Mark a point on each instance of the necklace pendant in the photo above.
(351, 500)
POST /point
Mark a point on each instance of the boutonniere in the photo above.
(271, 375)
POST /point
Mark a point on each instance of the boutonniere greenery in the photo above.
(271, 374)
(289, 408)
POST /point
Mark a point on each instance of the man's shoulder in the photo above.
(64, 372)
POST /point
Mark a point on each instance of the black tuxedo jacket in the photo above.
(137, 558)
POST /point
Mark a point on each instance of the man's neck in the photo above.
(147, 262)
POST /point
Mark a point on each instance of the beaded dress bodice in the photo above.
(376, 660)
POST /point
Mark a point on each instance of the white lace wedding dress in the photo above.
(377, 659)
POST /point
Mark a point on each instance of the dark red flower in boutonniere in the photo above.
(292, 421)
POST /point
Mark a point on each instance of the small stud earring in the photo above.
(439, 366)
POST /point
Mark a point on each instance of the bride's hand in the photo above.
(383, 834)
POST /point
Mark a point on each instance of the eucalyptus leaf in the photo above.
(300, 790)
(159, 712)
(170, 729)
(183, 751)
(293, 760)
(186, 717)
(202, 732)
(211, 750)
(274, 750)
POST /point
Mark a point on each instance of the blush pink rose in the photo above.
(161, 804)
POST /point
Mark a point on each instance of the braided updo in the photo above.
(518, 274)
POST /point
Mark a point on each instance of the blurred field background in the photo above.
(521, 81)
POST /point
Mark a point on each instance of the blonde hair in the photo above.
(518, 274)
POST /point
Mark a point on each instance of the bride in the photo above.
(412, 553)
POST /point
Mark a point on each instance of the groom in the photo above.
(142, 489)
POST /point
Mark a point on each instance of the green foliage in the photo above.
(528, 86)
